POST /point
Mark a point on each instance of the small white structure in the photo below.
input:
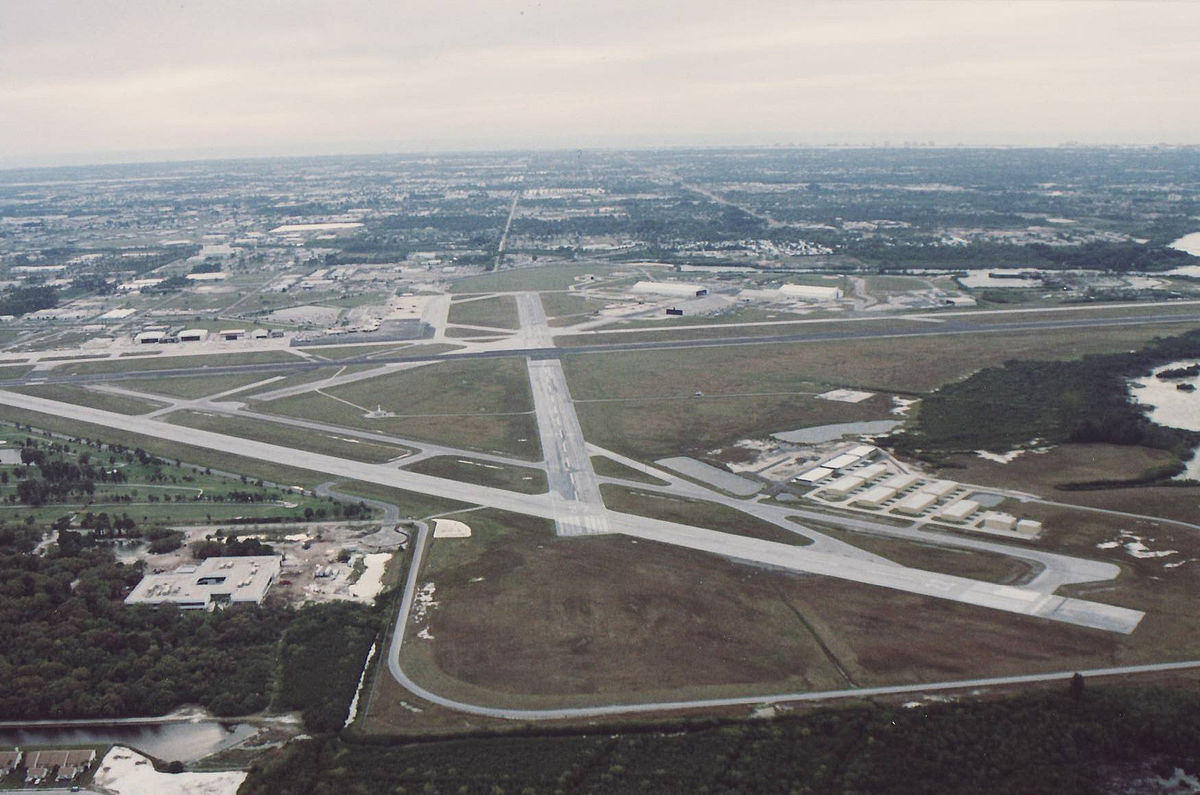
(1003, 522)
(215, 582)
(231, 334)
(1029, 527)
(810, 292)
(861, 451)
(814, 475)
(844, 485)
(872, 472)
(148, 338)
(874, 496)
(901, 481)
(915, 504)
(450, 528)
(959, 510)
(672, 289)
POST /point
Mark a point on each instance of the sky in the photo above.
(109, 80)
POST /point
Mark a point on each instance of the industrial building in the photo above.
(915, 504)
(213, 583)
(232, 334)
(844, 485)
(959, 510)
(671, 289)
(901, 481)
(939, 488)
(815, 474)
(872, 472)
(810, 292)
(193, 335)
(874, 497)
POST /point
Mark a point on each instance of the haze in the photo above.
(97, 81)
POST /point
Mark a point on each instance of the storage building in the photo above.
(915, 504)
(843, 485)
(1004, 522)
(872, 472)
(874, 496)
(215, 582)
(815, 474)
(939, 488)
(901, 481)
(193, 335)
(959, 510)
(810, 292)
(1029, 527)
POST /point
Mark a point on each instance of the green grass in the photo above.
(565, 304)
(289, 436)
(697, 513)
(15, 371)
(478, 404)
(498, 312)
(191, 387)
(68, 393)
(410, 503)
(484, 473)
(607, 467)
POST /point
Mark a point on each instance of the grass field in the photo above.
(483, 473)
(69, 393)
(289, 436)
(977, 565)
(652, 429)
(523, 614)
(526, 619)
(410, 503)
(498, 312)
(606, 467)
(191, 387)
(905, 364)
(476, 404)
(15, 370)
(696, 513)
(562, 304)
(253, 468)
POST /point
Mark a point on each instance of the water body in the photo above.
(186, 742)
(1189, 243)
(1171, 407)
(829, 433)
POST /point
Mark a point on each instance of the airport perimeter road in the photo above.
(579, 508)
(397, 671)
(763, 553)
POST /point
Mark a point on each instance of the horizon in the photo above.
(134, 81)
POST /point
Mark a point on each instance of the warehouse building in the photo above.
(671, 289)
(959, 510)
(815, 474)
(213, 583)
(901, 481)
(193, 335)
(872, 472)
(915, 504)
(844, 485)
(810, 292)
(874, 497)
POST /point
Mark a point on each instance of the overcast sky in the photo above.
(96, 80)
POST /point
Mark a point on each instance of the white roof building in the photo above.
(810, 292)
(959, 510)
(213, 582)
(915, 503)
(872, 472)
(844, 485)
(814, 474)
(672, 289)
(875, 496)
(901, 481)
